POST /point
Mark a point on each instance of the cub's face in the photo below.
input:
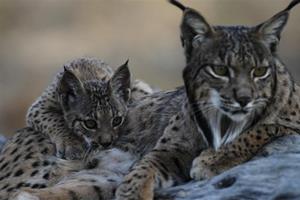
(95, 109)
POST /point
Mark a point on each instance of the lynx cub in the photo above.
(87, 102)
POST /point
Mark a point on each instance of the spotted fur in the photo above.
(231, 102)
(87, 102)
(164, 132)
(104, 170)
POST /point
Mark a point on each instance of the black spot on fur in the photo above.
(14, 151)
(34, 173)
(45, 151)
(19, 185)
(46, 163)
(73, 195)
(258, 137)
(4, 165)
(29, 155)
(46, 176)
(38, 185)
(41, 139)
(92, 164)
(5, 186)
(175, 128)
(98, 191)
(19, 172)
(29, 141)
(10, 189)
(111, 180)
(35, 164)
(17, 158)
(163, 140)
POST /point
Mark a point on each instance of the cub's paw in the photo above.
(23, 195)
(204, 165)
(69, 149)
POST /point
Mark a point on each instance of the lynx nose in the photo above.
(243, 101)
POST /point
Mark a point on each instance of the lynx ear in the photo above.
(269, 32)
(70, 89)
(119, 84)
(194, 30)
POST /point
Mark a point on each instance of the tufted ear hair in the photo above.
(120, 83)
(269, 31)
(194, 28)
(70, 89)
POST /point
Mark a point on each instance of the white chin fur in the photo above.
(239, 122)
(237, 117)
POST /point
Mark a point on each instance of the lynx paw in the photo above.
(25, 196)
(201, 170)
(136, 186)
(70, 150)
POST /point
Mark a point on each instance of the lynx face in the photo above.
(95, 109)
(238, 71)
(231, 72)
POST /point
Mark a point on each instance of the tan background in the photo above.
(38, 36)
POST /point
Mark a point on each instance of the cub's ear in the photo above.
(194, 30)
(269, 31)
(70, 89)
(120, 83)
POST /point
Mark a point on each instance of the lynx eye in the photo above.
(260, 72)
(90, 124)
(117, 121)
(220, 70)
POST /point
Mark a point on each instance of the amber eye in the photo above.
(117, 121)
(260, 71)
(90, 124)
(220, 70)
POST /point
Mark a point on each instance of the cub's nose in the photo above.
(243, 101)
(106, 144)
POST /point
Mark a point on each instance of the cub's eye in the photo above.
(117, 121)
(220, 70)
(260, 71)
(90, 124)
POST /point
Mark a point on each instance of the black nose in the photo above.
(94, 145)
(243, 101)
(106, 144)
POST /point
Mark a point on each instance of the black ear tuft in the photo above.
(194, 30)
(178, 4)
(292, 5)
(269, 32)
(120, 82)
(70, 88)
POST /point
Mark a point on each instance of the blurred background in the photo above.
(38, 36)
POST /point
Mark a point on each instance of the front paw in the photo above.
(24, 195)
(136, 187)
(69, 149)
(201, 170)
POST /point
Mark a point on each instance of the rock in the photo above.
(273, 174)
